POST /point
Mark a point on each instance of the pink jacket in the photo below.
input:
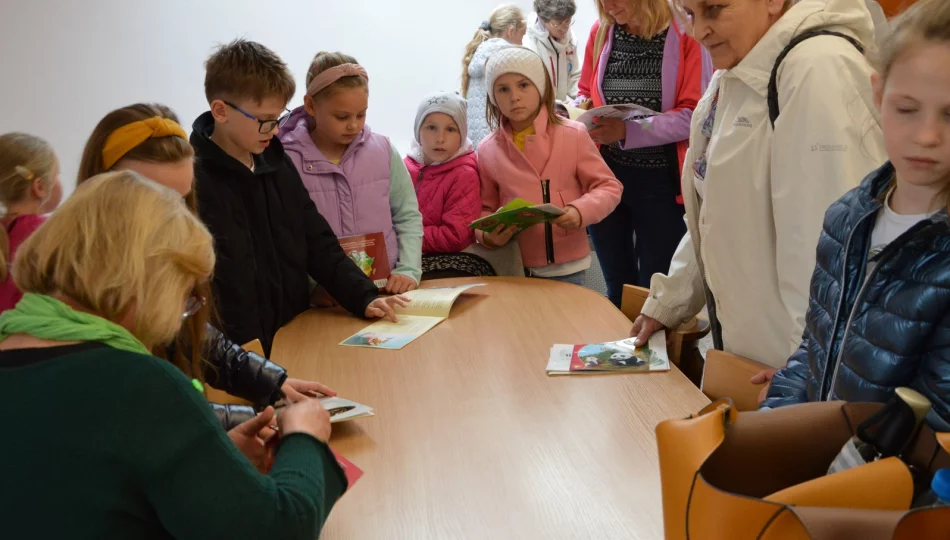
(449, 200)
(18, 231)
(565, 155)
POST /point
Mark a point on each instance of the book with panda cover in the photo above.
(613, 357)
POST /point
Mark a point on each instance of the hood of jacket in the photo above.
(477, 66)
(844, 16)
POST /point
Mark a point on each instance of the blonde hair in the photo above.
(323, 61)
(503, 18)
(927, 21)
(24, 159)
(120, 242)
(654, 16)
(495, 118)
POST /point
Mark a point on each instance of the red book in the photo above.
(368, 251)
(352, 472)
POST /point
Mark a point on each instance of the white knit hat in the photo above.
(450, 103)
(518, 60)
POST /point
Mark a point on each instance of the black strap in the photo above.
(773, 79)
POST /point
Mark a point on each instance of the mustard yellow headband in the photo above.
(126, 138)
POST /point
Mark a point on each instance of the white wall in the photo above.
(67, 63)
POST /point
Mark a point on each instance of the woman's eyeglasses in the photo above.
(561, 24)
(264, 126)
(193, 305)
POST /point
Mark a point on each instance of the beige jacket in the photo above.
(752, 239)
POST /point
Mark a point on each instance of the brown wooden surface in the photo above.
(471, 438)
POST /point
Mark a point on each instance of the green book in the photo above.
(518, 212)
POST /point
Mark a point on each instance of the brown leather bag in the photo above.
(734, 475)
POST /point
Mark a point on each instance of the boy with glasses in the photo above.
(268, 234)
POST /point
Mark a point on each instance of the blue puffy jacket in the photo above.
(867, 335)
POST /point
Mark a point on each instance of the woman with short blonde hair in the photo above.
(639, 53)
(122, 444)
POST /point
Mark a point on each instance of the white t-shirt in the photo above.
(887, 227)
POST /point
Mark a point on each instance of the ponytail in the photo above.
(502, 19)
(23, 160)
(480, 36)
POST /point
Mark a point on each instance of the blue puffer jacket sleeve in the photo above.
(790, 384)
(933, 375)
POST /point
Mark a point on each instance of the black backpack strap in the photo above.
(773, 79)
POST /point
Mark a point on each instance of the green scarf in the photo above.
(45, 317)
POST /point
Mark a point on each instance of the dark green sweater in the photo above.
(101, 443)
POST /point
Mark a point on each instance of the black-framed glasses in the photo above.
(193, 305)
(264, 126)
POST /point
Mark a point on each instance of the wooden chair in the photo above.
(217, 396)
(681, 348)
(727, 376)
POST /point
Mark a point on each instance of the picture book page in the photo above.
(385, 334)
(436, 302)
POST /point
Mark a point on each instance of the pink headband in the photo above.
(332, 75)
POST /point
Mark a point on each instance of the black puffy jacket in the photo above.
(269, 239)
(241, 373)
(866, 335)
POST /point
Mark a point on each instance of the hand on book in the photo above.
(305, 416)
(608, 130)
(384, 307)
(644, 327)
(570, 220)
(499, 237)
(399, 284)
(297, 389)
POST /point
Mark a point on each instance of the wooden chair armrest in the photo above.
(727, 375)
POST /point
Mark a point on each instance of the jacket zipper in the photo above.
(555, 69)
(714, 309)
(891, 248)
(844, 276)
(421, 172)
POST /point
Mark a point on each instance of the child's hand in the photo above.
(570, 220)
(608, 130)
(399, 283)
(500, 236)
(765, 378)
(383, 307)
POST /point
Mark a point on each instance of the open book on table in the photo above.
(518, 212)
(427, 308)
(342, 410)
(611, 357)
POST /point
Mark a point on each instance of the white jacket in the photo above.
(560, 59)
(477, 96)
(752, 241)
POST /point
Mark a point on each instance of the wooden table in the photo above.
(471, 438)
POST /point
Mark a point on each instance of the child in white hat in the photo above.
(535, 155)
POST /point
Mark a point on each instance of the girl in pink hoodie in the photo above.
(531, 147)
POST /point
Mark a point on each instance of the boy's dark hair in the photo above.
(246, 69)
